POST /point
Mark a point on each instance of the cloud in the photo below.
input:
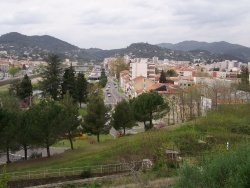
(117, 23)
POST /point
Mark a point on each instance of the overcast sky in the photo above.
(111, 24)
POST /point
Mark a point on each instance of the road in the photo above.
(115, 96)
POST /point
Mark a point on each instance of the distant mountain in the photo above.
(37, 47)
(218, 48)
(16, 40)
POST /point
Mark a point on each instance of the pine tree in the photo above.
(52, 76)
(123, 116)
(26, 89)
(69, 83)
(95, 121)
(81, 88)
(162, 78)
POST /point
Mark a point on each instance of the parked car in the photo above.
(109, 95)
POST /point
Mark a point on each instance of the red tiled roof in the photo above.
(138, 78)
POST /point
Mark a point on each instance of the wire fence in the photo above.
(99, 170)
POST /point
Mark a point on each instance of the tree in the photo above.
(51, 77)
(13, 70)
(9, 118)
(162, 78)
(96, 119)
(171, 73)
(45, 118)
(123, 116)
(15, 88)
(81, 88)
(103, 79)
(69, 82)
(117, 66)
(244, 84)
(69, 117)
(149, 106)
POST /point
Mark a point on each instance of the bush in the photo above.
(230, 169)
(4, 178)
(86, 173)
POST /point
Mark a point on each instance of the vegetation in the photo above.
(51, 77)
(13, 71)
(96, 119)
(81, 89)
(244, 84)
(103, 79)
(117, 66)
(149, 106)
(122, 117)
(69, 118)
(69, 83)
(162, 78)
(4, 178)
(227, 169)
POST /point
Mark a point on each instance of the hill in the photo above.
(16, 41)
(221, 49)
(37, 47)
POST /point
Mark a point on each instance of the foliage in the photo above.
(86, 173)
(162, 78)
(122, 116)
(15, 88)
(4, 178)
(96, 119)
(51, 77)
(103, 79)
(244, 84)
(69, 117)
(231, 169)
(26, 88)
(13, 70)
(117, 66)
(81, 87)
(171, 73)
(149, 106)
(22, 89)
(45, 118)
(9, 119)
(69, 82)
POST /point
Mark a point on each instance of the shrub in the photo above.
(86, 173)
(4, 178)
(230, 169)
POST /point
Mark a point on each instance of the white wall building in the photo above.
(146, 69)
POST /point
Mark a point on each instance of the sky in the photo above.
(113, 24)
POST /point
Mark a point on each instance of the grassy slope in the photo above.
(215, 130)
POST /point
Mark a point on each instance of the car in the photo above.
(107, 89)
(114, 83)
(109, 95)
(115, 86)
(108, 86)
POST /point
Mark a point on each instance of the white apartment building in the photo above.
(146, 69)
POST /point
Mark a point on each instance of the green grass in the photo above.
(120, 90)
(82, 111)
(83, 143)
(150, 144)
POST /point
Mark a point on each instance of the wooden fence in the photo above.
(98, 170)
